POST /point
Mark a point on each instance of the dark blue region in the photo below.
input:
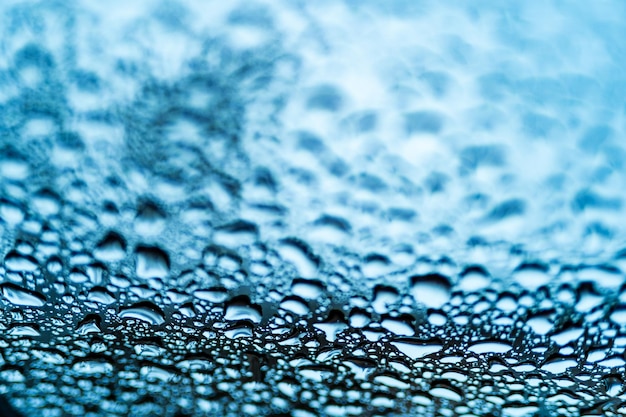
(6, 410)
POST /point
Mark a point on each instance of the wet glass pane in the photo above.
(325, 208)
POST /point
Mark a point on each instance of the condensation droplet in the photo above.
(432, 290)
(152, 262)
(486, 347)
(416, 349)
(21, 296)
(144, 311)
(111, 248)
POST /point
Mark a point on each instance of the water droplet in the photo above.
(474, 278)
(436, 318)
(519, 410)
(150, 219)
(154, 373)
(454, 375)
(596, 355)
(239, 332)
(91, 324)
(432, 290)
(24, 330)
(299, 255)
(485, 347)
(525, 367)
(295, 305)
(391, 382)
(112, 248)
(92, 367)
(612, 362)
(588, 298)
(559, 365)
(421, 400)
(100, 295)
(415, 348)
(287, 388)
(144, 311)
(15, 261)
(241, 309)
(46, 202)
(540, 325)
(619, 316)
(21, 296)
(375, 265)
(49, 356)
(398, 326)
(604, 276)
(332, 326)
(213, 295)
(531, 275)
(12, 375)
(359, 319)
(384, 297)
(236, 234)
(307, 289)
(152, 262)
(613, 385)
(566, 336)
(446, 392)
(11, 213)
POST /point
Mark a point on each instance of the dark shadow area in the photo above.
(6, 410)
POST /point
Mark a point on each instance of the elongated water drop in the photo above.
(144, 311)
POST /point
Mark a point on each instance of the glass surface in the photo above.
(324, 208)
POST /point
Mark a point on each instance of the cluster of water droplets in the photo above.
(223, 223)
